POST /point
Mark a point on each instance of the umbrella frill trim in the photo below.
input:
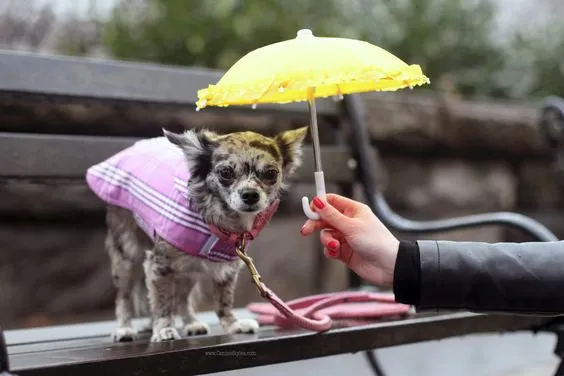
(297, 87)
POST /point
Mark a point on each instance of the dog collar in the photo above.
(261, 220)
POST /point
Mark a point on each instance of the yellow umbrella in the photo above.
(305, 68)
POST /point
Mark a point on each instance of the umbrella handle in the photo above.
(319, 190)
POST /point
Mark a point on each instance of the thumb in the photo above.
(331, 215)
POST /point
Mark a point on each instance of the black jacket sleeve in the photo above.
(475, 276)
(407, 274)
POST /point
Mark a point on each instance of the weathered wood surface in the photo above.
(418, 121)
(123, 119)
(66, 199)
(425, 121)
(89, 351)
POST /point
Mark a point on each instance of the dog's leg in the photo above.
(187, 301)
(224, 291)
(125, 243)
(123, 279)
(160, 283)
(141, 304)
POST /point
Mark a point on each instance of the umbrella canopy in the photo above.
(309, 67)
(305, 68)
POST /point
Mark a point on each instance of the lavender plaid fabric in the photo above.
(149, 178)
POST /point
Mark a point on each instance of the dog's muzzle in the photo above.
(250, 197)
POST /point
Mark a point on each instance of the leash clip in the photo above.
(248, 260)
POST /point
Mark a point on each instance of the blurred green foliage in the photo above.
(212, 33)
(448, 38)
(451, 39)
(535, 66)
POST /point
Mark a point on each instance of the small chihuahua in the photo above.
(174, 204)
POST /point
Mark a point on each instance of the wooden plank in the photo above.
(47, 76)
(61, 156)
(212, 352)
(20, 340)
(426, 123)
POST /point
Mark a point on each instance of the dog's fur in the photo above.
(222, 168)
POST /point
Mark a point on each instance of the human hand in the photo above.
(351, 233)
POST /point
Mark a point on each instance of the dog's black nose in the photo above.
(249, 196)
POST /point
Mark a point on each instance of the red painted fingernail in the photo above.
(332, 252)
(333, 244)
(318, 203)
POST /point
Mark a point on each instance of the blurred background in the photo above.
(497, 48)
(468, 143)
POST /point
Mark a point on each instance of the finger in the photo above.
(343, 254)
(330, 239)
(331, 215)
(333, 242)
(341, 203)
(310, 226)
(329, 253)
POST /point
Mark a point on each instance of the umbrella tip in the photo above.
(304, 33)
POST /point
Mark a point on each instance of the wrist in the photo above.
(389, 271)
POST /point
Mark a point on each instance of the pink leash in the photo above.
(315, 312)
(311, 312)
(358, 306)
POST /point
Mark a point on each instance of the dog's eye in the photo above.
(270, 174)
(227, 173)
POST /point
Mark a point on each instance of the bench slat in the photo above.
(59, 156)
(220, 352)
(18, 338)
(51, 76)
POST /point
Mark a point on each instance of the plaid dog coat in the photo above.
(149, 178)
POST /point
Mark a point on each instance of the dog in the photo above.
(173, 205)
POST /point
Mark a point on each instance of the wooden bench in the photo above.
(86, 348)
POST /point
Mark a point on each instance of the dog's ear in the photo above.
(197, 146)
(290, 144)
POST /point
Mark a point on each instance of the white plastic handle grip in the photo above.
(320, 191)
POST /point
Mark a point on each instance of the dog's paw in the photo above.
(243, 326)
(124, 335)
(165, 334)
(196, 328)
